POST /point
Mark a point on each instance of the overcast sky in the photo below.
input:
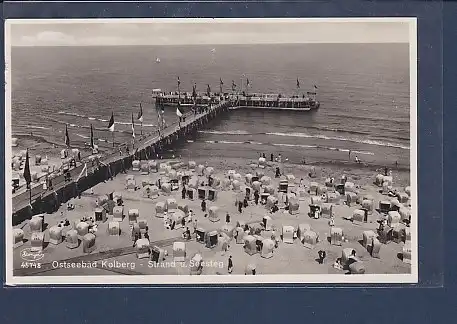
(172, 32)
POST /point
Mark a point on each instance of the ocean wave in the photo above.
(101, 119)
(304, 135)
(293, 146)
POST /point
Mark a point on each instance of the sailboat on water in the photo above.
(157, 60)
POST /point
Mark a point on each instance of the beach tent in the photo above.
(131, 185)
(157, 254)
(316, 200)
(63, 154)
(407, 253)
(82, 228)
(37, 159)
(71, 239)
(293, 206)
(357, 268)
(262, 162)
(351, 198)
(118, 213)
(407, 235)
(327, 210)
(313, 188)
(395, 204)
(34, 176)
(302, 228)
(291, 179)
(379, 180)
(171, 204)
(200, 235)
(37, 241)
(230, 174)
(144, 168)
(200, 169)
(333, 198)
(396, 233)
(153, 166)
(211, 239)
(310, 239)
(191, 165)
(329, 184)
(184, 207)
(18, 237)
(36, 223)
(55, 235)
(375, 247)
(166, 188)
(321, 190)
(248, 193)
(225, 184)
(209, 171)
(388, 179)
(267, 223)
(179, 251)
(269, 189)
(193, 183)
(384, 206)
(213, 215)
(228, 230)
(393, 217)
(216, 183)
(368, 205)
(211, 194)
(142, 248)
(114, 228)
(250, 245)
(196, 264)
(256, 185)
(403, 197)
(288, 234)
(250, 269)
(347, 258)
(14, 141)
(408, 191)
(88, 243)
(265, 181)
(236, 185)
(133, 215)
(367, 237)
(191, 193)
(405, 214)
(176, 217)
(100, 214)
(117, 197)
(301, 194)
(16, 165)
(143, 225)
(267, 248)
(358, 216)
(248, 179)
(336, 236)
(136, 165)
(239, 235)
(283, 185)
(349, 187)
(271, 201)
(314, 211)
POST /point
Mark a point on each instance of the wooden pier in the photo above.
(26, 203)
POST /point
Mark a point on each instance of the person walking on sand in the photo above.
(230, 265)
(183, 192)
(321, 257)
(203, 205)
(240, 207)
(256, 197)
(227, 218)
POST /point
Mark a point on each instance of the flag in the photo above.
(140, 113)
(194, 91)
(298, 83)
(178, 112)
(111, 123)
(133, 127)
(91, 136)
(27, 175)
(67, 138)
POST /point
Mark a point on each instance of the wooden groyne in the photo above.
(39, 200)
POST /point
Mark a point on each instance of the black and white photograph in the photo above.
(211, 151)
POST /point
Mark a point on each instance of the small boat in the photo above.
(157, 60)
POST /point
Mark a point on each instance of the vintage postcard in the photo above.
(211, 151)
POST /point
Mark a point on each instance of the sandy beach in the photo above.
(287, 258)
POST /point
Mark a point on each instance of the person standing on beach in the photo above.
(183, 192)
(227, 218)
(230, 265)
(240, 207)
(203, 205)
(350, 154)
(256, 197)
(271, 157)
